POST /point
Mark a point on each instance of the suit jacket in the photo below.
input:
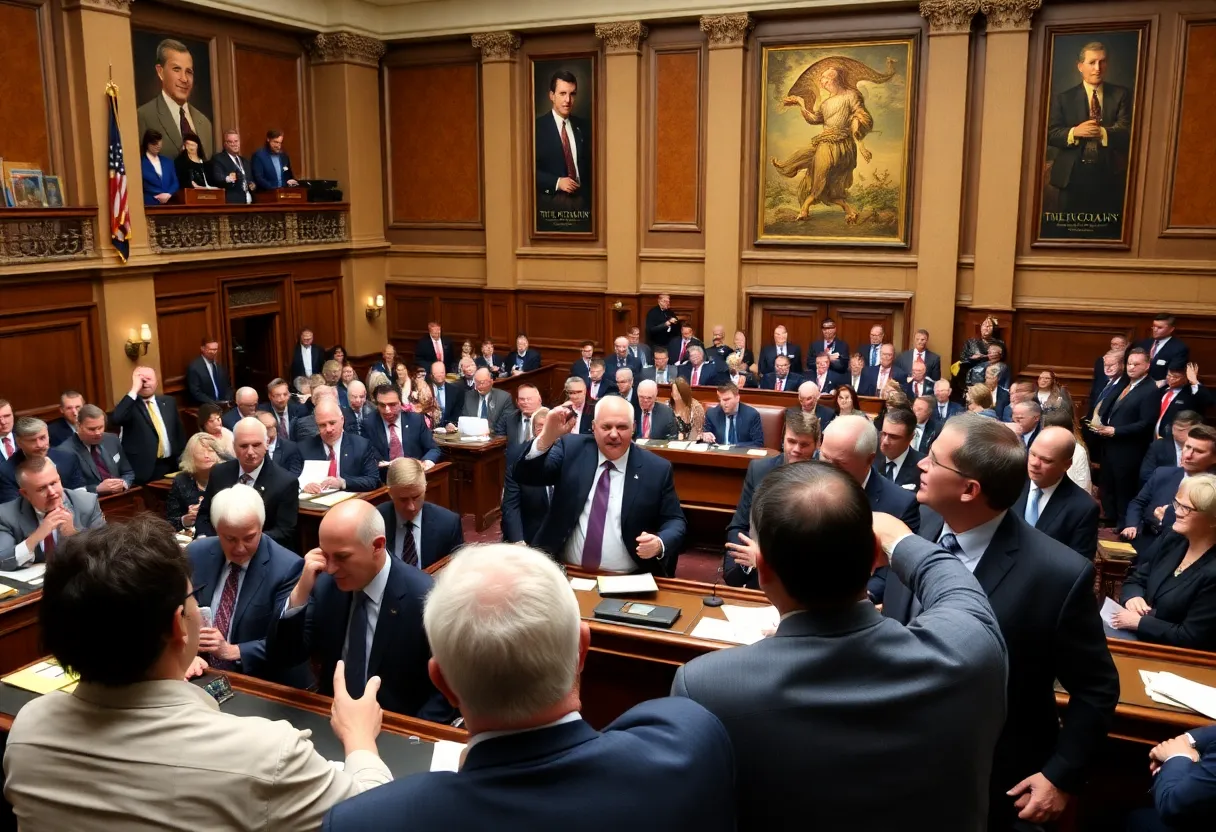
(839, 365)
(580, 368)
(1101, 391)
(499, 406)
(155, 115)
(768, 359)
(18, 521)
(164, 753)
(933, 364)
(453, 400)
(658, 332)
(1182, 791)
(662, 422)
(889, 498)
(1183, 606)
(1163, 453)
(398, 653)
(264, 174)
(909, 473)
(112, 455)
(551, 159)
(297, 360)
(70, 473)
(231, 417)
(442, 533)
(1133, 419)
(59, 431)
(222, 164)
(280, 493)
(286, 455)
(139, 438)
(529, 362)
(1199, 400)
(507, 783)
(850, 679)
(1070, 517)
(269, 578)
(649, 503)
(830, 382)
(356, 423)
(792, 380)
(424, 353)
(708, 376)
(673, 349)
(910, 392)
(515, 426)
(306, 428)
(198, 383)
(155, 183)
(417, 442)
(651, 373)
(749, 432)
(952, 409)
(1159, 490)
(612, 364)
(484, 364)
(869, 380)
(357, 464)
(1171, 351)
(523, 506)
(1021, 562)
(732, 573)
(643, 354)
(1071, 107)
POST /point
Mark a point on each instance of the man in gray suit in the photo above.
(45, 513)
(840, 717)
(483, 401)
(171, 113)
(102, 460)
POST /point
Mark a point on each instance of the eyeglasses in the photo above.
(1181, 509)
(936, 463)
(196, 594)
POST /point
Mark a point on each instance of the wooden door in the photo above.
(801, 321)
(854, 320)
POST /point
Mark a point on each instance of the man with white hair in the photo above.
(246, 400)
(243, 577)
(624, 386)
(808, 402)
(509, 646)
(352, 463)
(1051, 501)
(850, 443)
(358, 408)
(277, 487)
(653, 419)
(621, 358)
(615, 507)
(943, 408)
(353, 595)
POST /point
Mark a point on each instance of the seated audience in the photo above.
(736, 372)
(1167, 451)
(66, 426)
(416, 532)
(422, 400)
(284, 452)
(359, 412)
(211, 423)
(581, 366)
(926, 428)
(44, 515)
(799, 444)
(893, 398)
(575, 390)
(875, 377)
(697, 371)
(1150, 513)
(489, 361)
(524, 506)
(745, 355)
(837, 676)
(509, 645)
(857, 366)
(134, 745)
(624, 386)
(661, 372)
(525, 359)
(825, 378)
(905, 362)
(1171, 596)
(621, 358)
(846, 401)
(245, 400)
(306, 426)
(282, 406)
(102, 462)
(352, 463)
(448, 394)
(643, 353)
(1183, 783)
(1051, 501)
(897, 460)
(653, 419)
(808, 402)
(201, 455)
(919, 382)
(33, 441)
(159, 174)
(484, 401)
(996, 358)
(780, 378)
(682, 346)
(718, 349)
(1078, 470)
(688, 412)
(519, 429)
(395, 433)
(350, 591)
(598, 385)
(152, 433)
(1000, 393)
(732, 422)
(648, 528)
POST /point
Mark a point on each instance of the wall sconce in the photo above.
(135, 347)
(618, 306)
(375, 306)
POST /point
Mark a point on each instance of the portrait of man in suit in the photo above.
(1089, 134)
(174, 79)
(562, 146)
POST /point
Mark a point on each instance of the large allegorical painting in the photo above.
(836, 143)
(563, 150)
(1092, 84)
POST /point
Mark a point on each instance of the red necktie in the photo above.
(8, 447)
(438, 350)
(394, 443)
(48, 546)
(696, 376)
(102, 470)
(1165, 403)
(283, 423)
(223, 616)
(646, 424)
(780, 384)
(571, 173)
(183, 124)
(683, 352)
(1153, 354)
(333, 463)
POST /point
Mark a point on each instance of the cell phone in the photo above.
(208, 618)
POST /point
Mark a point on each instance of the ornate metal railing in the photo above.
(41, 235)
(180, 228)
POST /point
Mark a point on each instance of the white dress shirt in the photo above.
(1089, 96)
(219, 591)
(155, 160)
(375, 595)
(573, 716)
(662, 376)
(11, 441)
(240, 166)
(564, 124)
(306, 358)
(156, 418)
(899, 463)
(255, 473)
(884, 375)
(337, 448)
(975, 542)
(23, 553)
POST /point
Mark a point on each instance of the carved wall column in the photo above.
(727, 36)
(622, 147)
(938, 206)
(996, 233)
(502, 194)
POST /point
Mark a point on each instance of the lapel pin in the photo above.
(635, 476)
(392, 610)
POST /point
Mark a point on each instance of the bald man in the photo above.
(352, 595)
(614, 507)
(352, 464)
(246, 400)
(1051, 501)
(808, 402)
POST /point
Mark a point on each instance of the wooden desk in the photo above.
(1111, 567)
(711, 479)
(124, 504)
(478, 472)
(20, 631)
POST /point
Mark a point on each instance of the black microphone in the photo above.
(712, 600)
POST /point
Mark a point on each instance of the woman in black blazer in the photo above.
(1171, 597)
(189, 484)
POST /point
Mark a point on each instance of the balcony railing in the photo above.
(41, 235)
(192, 228)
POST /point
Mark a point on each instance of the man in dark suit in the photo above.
(1182, 392)
(496, 364)
(697, 371)
(799, 444)
(897, 460)
(1118, 345)
(781, 379)
(642, 352)
(271, 166)
(505, 612)
(524, 506)
(1164, 349)
(1183, 785)
(732, 422)
(1150, 514)
(394, 434)
(103, 464)
(624, 386)
(919, 382)
(524, 359)
(516, 424)
(652, 419)
(485, 402)
(679, 350)
(1051, 502)
(1167, 451)
(836, 350)
(820, 372)
(661, 372)
(581, 366)
(943, 408)
(278, 489)
(1102, 395)
(583, 408)
(808, 402)
(920, 352)
(662, 324)
(416, 532)
(65, 427)
(622, 359)
(282, 406)
(925, 430)
(152, 433)
(932, 693)
(352, 463)
(636, 483)
(307, 358)
(359, 412)
(34, 441)
(1027, 417)
(448, 394)
(279, 449)
(1127, 430)
(781, 346)
(246, 400)
(206, 380)
(232, 172)
(356, 602)
(244, 576)
(874, 377)
(971, 480)
(564, 165)
(1090, 128)
(871, 353)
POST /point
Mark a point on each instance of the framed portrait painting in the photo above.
(563, 146)
(173, 88)
(1088, 140)
(836, 128)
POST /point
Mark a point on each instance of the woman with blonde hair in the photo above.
(422, 400)
(200, 455)
(979, 400)
(689, 413)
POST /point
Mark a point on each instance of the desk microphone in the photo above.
(712, 600)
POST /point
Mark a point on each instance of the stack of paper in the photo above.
(6, 590)
(583, 584)
(697, 446)
(678, 446)
(1110, 608)
(757, 452)
(1171, 689)
(716, 629)
(331, 500)
(43, 677)
(315, 470)
(627, 584)
(751, 623)
(29, 575)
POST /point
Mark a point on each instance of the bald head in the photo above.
(808, 395)
(613, 426)
(246, 401)
(849, 443)
(1050, 456)
(352, 538)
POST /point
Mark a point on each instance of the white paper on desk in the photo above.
(447, 756)
(583, 584)
(332, 499)
(641, 441)
(473, 426)
(1110, 608)
(315, 470)
(1149, 678)
(678, 446)
(1191, 694)
(28, 575)
(627, 584)
(751, 623)
(721, 447)
(757, 452)
(716, 629)
(697, 446)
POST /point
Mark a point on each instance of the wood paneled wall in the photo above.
(29, 128)
(1192, 205)
(269, 95)
(802, 319)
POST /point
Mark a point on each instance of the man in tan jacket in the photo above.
(136, 747)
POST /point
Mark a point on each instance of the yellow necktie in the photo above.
(161, 441)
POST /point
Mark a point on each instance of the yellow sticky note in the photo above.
(43, 677)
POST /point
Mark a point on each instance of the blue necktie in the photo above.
(873, 354)
(483, 408)
(356, 648)
(950, 543)
(214, 385)
(1032, 505)
(278, 170)
(730, 430)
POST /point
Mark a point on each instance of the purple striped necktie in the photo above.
(593, 544)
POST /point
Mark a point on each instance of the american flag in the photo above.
(120, 218)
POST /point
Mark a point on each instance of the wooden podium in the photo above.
(281, 195)
(198, 196)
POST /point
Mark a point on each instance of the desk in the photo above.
(20, 631)
(478, 471)
(124, 504)
(1111, 567)
(711, 479)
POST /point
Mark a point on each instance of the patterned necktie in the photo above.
(571, 172)
(696, 376)
(162, 442)
(409, 551)
(683, 352)
(1032, 505)
(1156, 346)
(950, 543)
(1090, 152)
(873, 354)
(920, 432)
(394, 442)
(593, 545)
(246, 479)
(780, 383)
(356, 647)
(102, 470)
(283, 423)
(183, 124)
(223, 616)
(8, 447)
(333, 463)
(646, 424)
